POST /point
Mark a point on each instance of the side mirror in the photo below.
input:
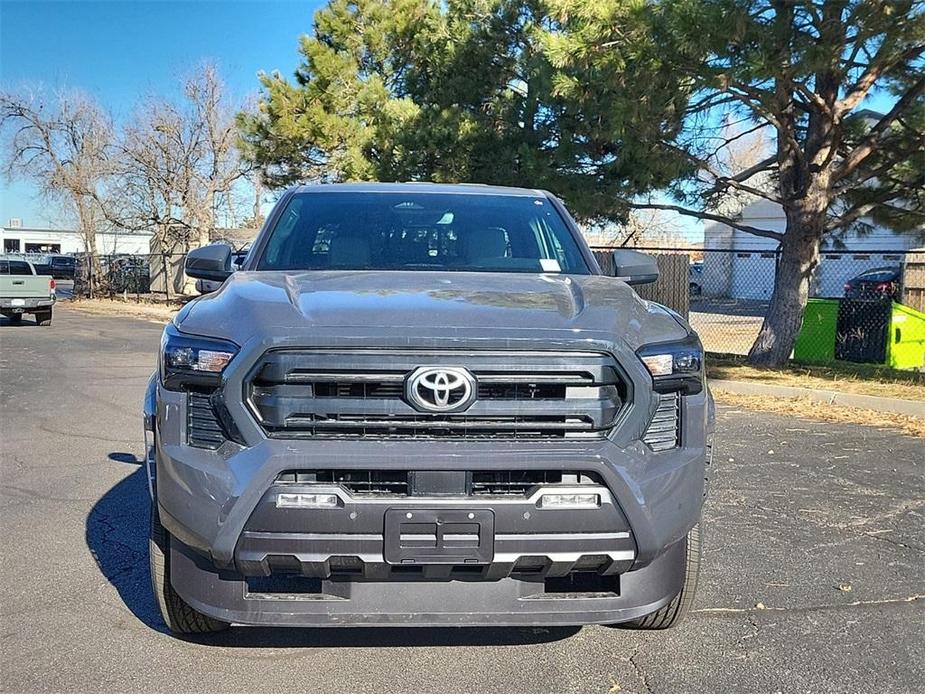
(634, 267)
(211, 262)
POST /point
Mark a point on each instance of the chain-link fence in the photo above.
(865, 306)
(158, 274)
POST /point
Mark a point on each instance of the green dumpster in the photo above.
(906, 345)
(816, 341)
(904, 335)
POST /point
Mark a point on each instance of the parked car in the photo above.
(695, 278)
(62, 267)
(22, 290)
(878, 283)
(425, 405)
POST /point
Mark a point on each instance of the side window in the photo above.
(17, 267)
(4, 267)
(281, 241)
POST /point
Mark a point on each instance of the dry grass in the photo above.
(156, 313)
(860, 378)
(822, 412)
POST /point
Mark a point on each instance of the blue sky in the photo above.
(120, 51)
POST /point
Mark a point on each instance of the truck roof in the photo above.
(451, 188)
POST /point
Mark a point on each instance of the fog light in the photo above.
(306, 501)
(570, 501)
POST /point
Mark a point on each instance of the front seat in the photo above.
(349, 251)
(486, 245)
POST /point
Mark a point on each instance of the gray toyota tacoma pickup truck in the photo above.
(422, 404)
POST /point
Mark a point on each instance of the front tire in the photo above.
(180, 617)
(672, 613)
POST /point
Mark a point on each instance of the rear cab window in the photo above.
(15, 267)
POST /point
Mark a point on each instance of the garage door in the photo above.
(752, 275)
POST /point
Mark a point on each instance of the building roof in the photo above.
(52, 232)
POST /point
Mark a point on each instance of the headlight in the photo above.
(675, 366)
(188, 360)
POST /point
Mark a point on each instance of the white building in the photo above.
(740, 265)
(16, 239)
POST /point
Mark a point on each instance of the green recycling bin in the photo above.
(901, 340)
(906, 342)
(816, 341)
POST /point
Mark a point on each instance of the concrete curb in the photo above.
(912, 408)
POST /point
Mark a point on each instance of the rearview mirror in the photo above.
(634, 267)
(211, 262)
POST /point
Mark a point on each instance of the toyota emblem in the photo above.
(440, 389)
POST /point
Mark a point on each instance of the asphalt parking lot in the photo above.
(729, 326)
(814, 565)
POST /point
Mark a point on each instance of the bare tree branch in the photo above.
(708, 216)
(64, 146)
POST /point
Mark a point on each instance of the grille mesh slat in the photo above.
(297, 394)
(203, 429)
(664, 430)
(358, 482)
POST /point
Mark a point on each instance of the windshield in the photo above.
(421, 231)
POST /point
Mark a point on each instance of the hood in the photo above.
(414, 303)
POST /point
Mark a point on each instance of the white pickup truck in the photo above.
(22, 290)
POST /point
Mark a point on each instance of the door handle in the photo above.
(19, 281)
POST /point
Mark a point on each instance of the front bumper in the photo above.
(214, 503)
(484, 537)
(505, 602)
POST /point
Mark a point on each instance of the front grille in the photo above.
(360, 393)
(400, 482)
(432, 426)
(664, 430)
(203, 429)
(364, 390)
(519, 482)
(357, 482)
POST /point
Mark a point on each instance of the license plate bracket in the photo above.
(439, 536)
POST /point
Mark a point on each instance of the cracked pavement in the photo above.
(813, 570)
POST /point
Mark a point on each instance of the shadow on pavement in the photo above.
(117, 537)
(753, 308)
(21, 323)
(383, 637)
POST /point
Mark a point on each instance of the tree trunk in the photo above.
(87, 224)
(798, 259)
(204, 220)
(166, 266)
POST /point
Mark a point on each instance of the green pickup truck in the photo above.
(22, 290)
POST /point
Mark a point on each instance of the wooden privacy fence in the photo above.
(673, 285)
(914, 280)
